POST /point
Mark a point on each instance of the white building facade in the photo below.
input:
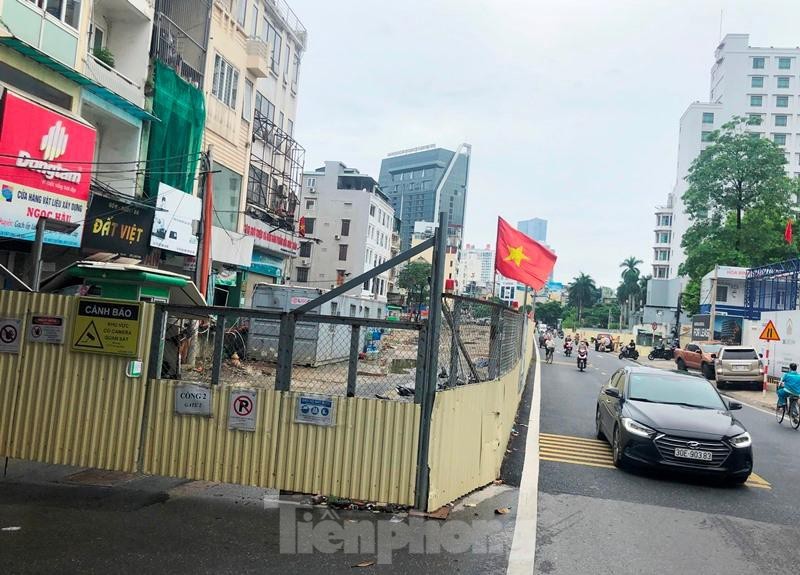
(348, 230)
(477, 267)
(760, 83)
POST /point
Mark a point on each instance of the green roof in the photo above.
(70, 74)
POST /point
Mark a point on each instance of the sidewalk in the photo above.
(761, 400)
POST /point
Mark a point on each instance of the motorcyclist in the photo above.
(631, 346)
(789, 385)
(550, 346)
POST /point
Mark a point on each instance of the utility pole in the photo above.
(204, 255)
(713, 317)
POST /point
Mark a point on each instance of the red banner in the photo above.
(44, 150)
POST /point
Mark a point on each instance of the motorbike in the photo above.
(661, 352)
(583, 356)
(568, 349)
(628, 353)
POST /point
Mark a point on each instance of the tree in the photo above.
(549, 312)
(738, 201)
(415, 278)
(630, 267)
(582, 293)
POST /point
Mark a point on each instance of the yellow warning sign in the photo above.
(108, 327)
(770, 333)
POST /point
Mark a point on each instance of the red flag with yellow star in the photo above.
(521, 258)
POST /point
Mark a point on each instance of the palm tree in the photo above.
(582, 292)
(630, 267)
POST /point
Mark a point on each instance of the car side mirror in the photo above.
(734, 405)
(713, 356)
(760, 356)
(612, 392)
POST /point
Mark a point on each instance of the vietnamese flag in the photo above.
(521, 258)
(787, 235)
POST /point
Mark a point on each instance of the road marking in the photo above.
(596, 453)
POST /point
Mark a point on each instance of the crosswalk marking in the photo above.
(596, 453)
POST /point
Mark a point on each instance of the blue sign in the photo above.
(315, 410)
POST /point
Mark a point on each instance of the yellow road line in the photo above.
(577, 458)
(556, 437)
(577, 451)
(575, 463)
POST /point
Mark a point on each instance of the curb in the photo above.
(523, 547)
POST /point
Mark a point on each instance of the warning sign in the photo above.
(46, 329)
(104, 326)
(770, 333)
(242, 410)
(9, 335)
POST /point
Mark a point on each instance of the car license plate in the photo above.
(740, 368)
(693, 454)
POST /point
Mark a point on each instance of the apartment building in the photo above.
(476, 269)
(757, 82)
(349, 224)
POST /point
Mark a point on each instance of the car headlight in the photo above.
(636, 428)
(742, 440)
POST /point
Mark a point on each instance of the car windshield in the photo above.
(740, 354)
(710, 348)
(658, 388)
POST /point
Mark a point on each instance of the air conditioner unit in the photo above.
(337, 237)
(305, 263)
(312, 191)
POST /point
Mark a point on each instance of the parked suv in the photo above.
(738, 365)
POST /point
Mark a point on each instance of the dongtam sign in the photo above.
(49, 159)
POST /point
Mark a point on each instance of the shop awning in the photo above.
(70, 74)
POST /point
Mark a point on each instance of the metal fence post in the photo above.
(422, 352)
(283, 374)
(219, 347)
(432, 357)
(453, 381)
(495, 343)
(156, 352)
(352, 368)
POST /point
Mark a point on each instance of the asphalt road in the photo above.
(594, 518)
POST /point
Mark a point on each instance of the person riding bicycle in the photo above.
(550, 346)
(789, 385)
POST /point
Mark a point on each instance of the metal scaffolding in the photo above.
(772, 287)
(275, 175)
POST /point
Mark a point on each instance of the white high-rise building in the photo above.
(477, 268)
(762, 83)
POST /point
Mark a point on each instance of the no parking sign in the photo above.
(242, 410)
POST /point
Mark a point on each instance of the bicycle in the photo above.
(548, 358)
(793, 410)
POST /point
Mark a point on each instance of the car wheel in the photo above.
(598, 426)
(722, 385)
(616, 449)
(681, 364)
(707, 371)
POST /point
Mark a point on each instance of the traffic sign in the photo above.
(770, 333)
(315, 409)
(9, 335)
(242, 410)
(107, 327)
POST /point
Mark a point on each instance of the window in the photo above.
(311, 182)
(758, 63)
(779, 139)
(98, 37)
(722, 294)
(305, 249)
(287, 64)
(708, 117)
(352, 310)
(784, 63)
(241, 12)
(757, 81)
(280, 120)
(665, 220)
(67, 11)
(662, 237)
(334, 308)
(310, 225)
(661, 272)
(290, 128)
(265, 107)
(756, 101)
(345, 228)
(783, 81)
(372, 210)
(302, 275)
(254, 23)
(705, 136)
(296, 75)
(782, 101)
(272, 37)
(340, 275)
(247, 105)
(310, 204)
(781, 120)
(342, 252)
(225, 82)
(754, 119)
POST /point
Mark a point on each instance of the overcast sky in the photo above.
(571, 106)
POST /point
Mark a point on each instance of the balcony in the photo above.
(258, 57)
(54, 31)
(114, 80)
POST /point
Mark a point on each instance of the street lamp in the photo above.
(42, 225)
